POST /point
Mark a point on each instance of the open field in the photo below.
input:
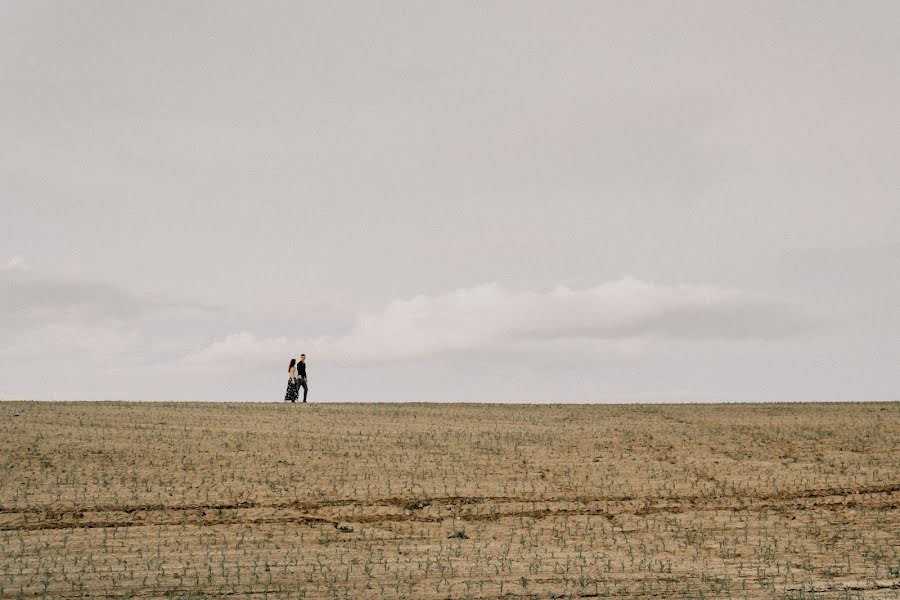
(449, 501)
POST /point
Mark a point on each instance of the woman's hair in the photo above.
(293, 362)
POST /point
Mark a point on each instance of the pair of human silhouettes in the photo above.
(296, 380)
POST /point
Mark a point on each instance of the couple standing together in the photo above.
(297, 372)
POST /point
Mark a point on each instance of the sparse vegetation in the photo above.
(449, 501)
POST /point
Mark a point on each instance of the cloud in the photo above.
(245, 347)
(26, 296)
(16, 263)
(43, 313)
(488, 315)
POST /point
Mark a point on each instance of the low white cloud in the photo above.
(489, 315)
(16, 263)
(245, 347)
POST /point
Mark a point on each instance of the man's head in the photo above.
(302, 357)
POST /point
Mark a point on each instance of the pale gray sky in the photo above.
(485, 201)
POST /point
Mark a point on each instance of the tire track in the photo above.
(420, 502)
(467, 508)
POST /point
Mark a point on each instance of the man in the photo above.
(301, 372)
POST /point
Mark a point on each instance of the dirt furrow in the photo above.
(489, 510)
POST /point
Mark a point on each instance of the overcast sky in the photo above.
(439, 201)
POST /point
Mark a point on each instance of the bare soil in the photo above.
(172, 500)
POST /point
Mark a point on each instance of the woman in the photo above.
(293, 391)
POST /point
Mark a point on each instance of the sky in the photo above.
(450, 201)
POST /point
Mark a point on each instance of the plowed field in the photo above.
(165, 500)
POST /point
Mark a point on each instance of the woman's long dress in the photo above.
(293, 390)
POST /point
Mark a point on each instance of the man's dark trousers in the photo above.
(305, 387)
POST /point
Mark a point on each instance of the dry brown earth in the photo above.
(161, 500)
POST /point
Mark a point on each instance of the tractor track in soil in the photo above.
(435, 509)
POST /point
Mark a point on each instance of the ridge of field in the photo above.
(191, 500)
